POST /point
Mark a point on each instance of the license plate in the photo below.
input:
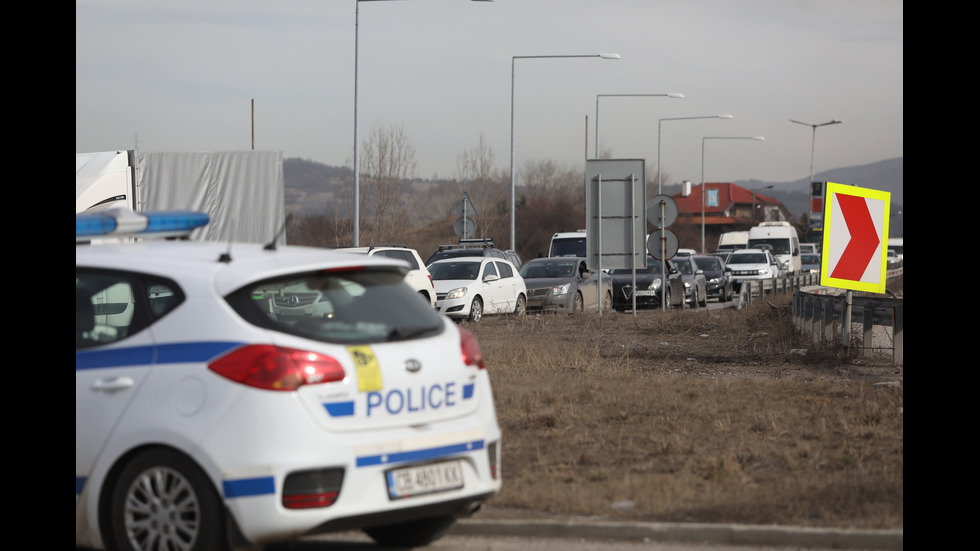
(424, 479)
(646, 293)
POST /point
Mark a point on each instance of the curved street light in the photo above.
(513, 180)
(357, 172)
(675, 95)
(660, 123)
(813, 141)
(703, 186)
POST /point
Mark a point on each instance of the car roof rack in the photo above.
(392, 245)
(486, 243)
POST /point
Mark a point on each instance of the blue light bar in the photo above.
(125, 222)
(93, 225)
(170, 221)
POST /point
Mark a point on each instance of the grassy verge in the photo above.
(694, 416)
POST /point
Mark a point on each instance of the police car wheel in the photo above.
(162, 500)
(411, 534)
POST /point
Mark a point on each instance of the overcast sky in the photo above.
(181, 75)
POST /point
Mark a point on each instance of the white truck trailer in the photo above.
(241, 191)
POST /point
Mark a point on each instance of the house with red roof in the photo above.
(727, 207)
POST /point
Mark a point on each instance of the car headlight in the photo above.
(560, 290)
(714, 280)
(687, 285)
(654, 285)
(458, 292)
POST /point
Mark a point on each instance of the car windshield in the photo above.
(653, 267)
(354, 306)
(455, 253)
(709, 263)
(810, 259)
(568, 247)
(548, 268)
(455, 270)
(684, 267)
(779, 245)
(747, 258)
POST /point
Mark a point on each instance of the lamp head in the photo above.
(610, 56)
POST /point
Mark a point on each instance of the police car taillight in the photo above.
(472, 353)
(277, 368)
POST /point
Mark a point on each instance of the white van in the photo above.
(570, 243)
(732, 240)
(781, 237)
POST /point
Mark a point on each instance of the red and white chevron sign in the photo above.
(855, 238)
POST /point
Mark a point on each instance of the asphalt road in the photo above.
(585, 535)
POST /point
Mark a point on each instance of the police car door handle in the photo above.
(114, 384)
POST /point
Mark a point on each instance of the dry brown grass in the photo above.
(692, 416)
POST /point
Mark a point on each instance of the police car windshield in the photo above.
(352, 307)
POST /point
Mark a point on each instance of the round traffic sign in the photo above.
(662, 244)
(662, 211)
(465, 227)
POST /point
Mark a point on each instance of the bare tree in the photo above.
(388, 162)
(546, 178)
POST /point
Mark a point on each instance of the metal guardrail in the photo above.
(825, 314)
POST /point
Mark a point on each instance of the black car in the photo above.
(718, 276)
(648, 282)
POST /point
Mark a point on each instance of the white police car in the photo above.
(234, 395)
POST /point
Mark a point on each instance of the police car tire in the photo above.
(411, 534)
(198, 498)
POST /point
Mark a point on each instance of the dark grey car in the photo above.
(718, 276)
(565, 284)
(695, 284)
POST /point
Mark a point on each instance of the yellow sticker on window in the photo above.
(367, 368)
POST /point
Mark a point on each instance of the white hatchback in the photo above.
(235, 395)
(471, 286)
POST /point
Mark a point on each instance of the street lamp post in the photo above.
(675, 95)
(660, 124)
(754, 191)
(813, 140)
(513, 180)
(357, 173)
(703, 190)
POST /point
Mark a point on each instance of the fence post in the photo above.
(827, 332)
(869, 325)
(898, 335)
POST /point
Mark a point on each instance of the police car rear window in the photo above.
(351, 307)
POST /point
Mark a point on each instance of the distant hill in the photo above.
(309, 183)
(887, 175)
